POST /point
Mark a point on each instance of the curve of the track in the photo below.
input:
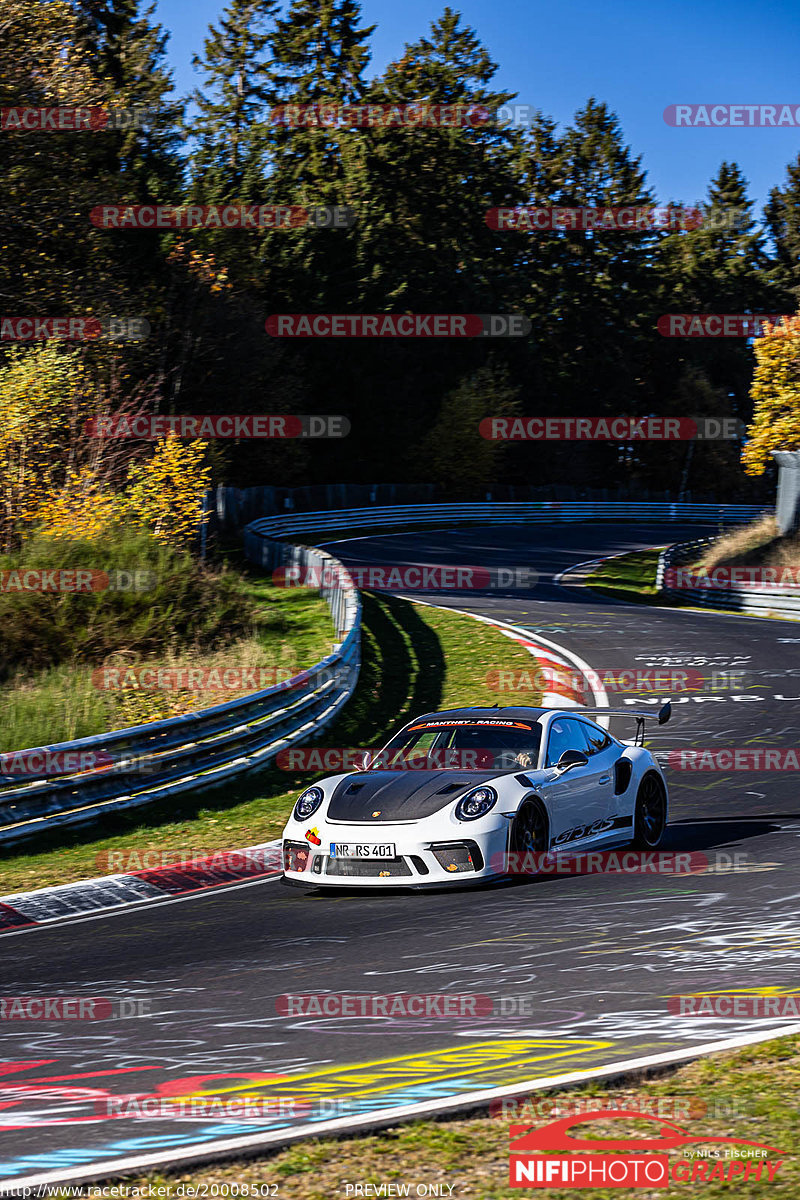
(585, 964)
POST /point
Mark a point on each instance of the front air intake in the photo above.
(457, 857)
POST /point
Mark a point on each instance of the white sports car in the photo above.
(468, 792)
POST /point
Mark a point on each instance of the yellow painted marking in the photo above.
(473, 1058)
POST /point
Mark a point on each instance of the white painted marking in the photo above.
(391, 1116)
(138, 905)
(599, 693)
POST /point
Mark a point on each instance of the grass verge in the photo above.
(753, 545)
(632, 576)
(69, 661)
(745, 1094)
(290, 630)
(628, 577)
(415, 659)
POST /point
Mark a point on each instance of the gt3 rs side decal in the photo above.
(604, 825)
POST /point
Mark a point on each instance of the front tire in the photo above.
(529, 833)
(650, 814)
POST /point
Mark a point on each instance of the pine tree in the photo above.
(128, 50)
(319, 55)
(783, 221)
(720, 267)
(589, 292)
(227, 163)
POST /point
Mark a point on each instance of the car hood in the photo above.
(399, 795)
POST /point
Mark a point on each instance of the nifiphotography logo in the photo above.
(640, 1161)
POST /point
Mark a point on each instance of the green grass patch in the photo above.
(413, 659)
(748, 1094)
(628, 577)
(189, 616)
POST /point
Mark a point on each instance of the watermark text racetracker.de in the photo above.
(547, 677)
(78, 580)
(538, 1108)
(615, 429)
(221, 216)
(403, 1005)
(343, 758)
(255, 859)
(191, 679)
(613, 862)
(42, 761)
(73, 328)
(210, 426)
(397, 325)
(735, 116)
(736, 1004)
(72, 1008)
(630, 219)
(723, 325)
(732, 758)
(410, 115)
(411, 577)
(79, 119)
(753, 578)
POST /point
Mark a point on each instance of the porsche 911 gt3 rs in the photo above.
(455, 795)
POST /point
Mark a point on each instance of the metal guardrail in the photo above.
(144, 763)
(757, 602)
(212, 746)
(499, 513)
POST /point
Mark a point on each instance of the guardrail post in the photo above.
(787, 506)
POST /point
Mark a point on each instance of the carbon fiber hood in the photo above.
(400, 795)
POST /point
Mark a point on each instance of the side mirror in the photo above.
(664, 713)
(572, 758)
(364, 759)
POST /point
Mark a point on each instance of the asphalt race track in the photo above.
(584, 965)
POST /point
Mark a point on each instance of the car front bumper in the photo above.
(449, 856)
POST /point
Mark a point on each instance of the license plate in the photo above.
(362, 850)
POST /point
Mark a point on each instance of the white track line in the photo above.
(599, 691)
(138, 905)
(232, 1147)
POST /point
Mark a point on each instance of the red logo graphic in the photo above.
(644, 1162)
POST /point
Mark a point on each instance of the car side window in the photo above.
(563, 736)
(593, 740)
(598, 739)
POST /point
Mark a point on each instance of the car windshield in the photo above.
(462, 744)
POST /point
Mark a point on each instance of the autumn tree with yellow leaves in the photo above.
(59, 480)
(165, 492)
(776, 396)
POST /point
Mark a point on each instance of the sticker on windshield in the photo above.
(472, 722)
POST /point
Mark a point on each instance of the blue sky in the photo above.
(636, 57)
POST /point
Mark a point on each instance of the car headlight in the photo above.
(476, 803)
(308, 803)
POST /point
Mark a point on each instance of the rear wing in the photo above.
(662, 715)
